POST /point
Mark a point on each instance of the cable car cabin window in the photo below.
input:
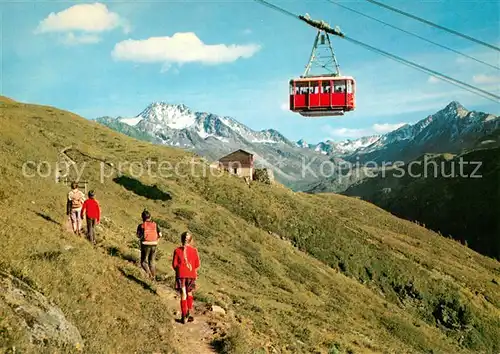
(314, 88)
(325, 85)
(349, 86)
(339, 86)
(301, 88)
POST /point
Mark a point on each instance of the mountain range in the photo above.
(213, 136)
(452, 129)
(345, 147)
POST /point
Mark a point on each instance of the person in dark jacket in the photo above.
(149, 233)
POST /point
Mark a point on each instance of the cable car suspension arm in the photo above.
(321, 36)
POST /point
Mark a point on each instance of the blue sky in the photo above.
(235, 58)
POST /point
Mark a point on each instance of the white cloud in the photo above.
(486, 79)
(180, 48)
(386, 127)
(285, 106)
(433, 80)
(72, 39)
(82, 17)
(247, 31)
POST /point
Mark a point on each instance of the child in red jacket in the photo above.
(93, 210)
(186, 262)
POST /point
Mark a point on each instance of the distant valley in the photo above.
(456, 195)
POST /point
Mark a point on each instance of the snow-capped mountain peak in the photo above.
(302, 144)
(164, 120)
(131, 121)
(271, 136)
(347, 146)
(453, 109)
(174, 116)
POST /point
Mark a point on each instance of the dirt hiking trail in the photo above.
(192, 337)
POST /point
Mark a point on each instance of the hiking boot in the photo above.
(183, 320)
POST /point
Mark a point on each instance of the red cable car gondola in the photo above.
(327, 94)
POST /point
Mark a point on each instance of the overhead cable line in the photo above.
(325, 27)
(413, 34)
(434, 24)
(461, 84)
(279, 9)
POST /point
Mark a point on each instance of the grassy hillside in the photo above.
(463, 202)
(297, 273)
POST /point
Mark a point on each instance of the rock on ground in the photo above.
(42, 322)
(218, 309)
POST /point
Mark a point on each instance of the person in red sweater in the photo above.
(186, 262)
(93, 211)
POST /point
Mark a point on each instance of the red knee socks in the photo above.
(190, 303)
(184, 308)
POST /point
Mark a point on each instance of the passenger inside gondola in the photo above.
(340, 87)
(303, 88)
(326, 87)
